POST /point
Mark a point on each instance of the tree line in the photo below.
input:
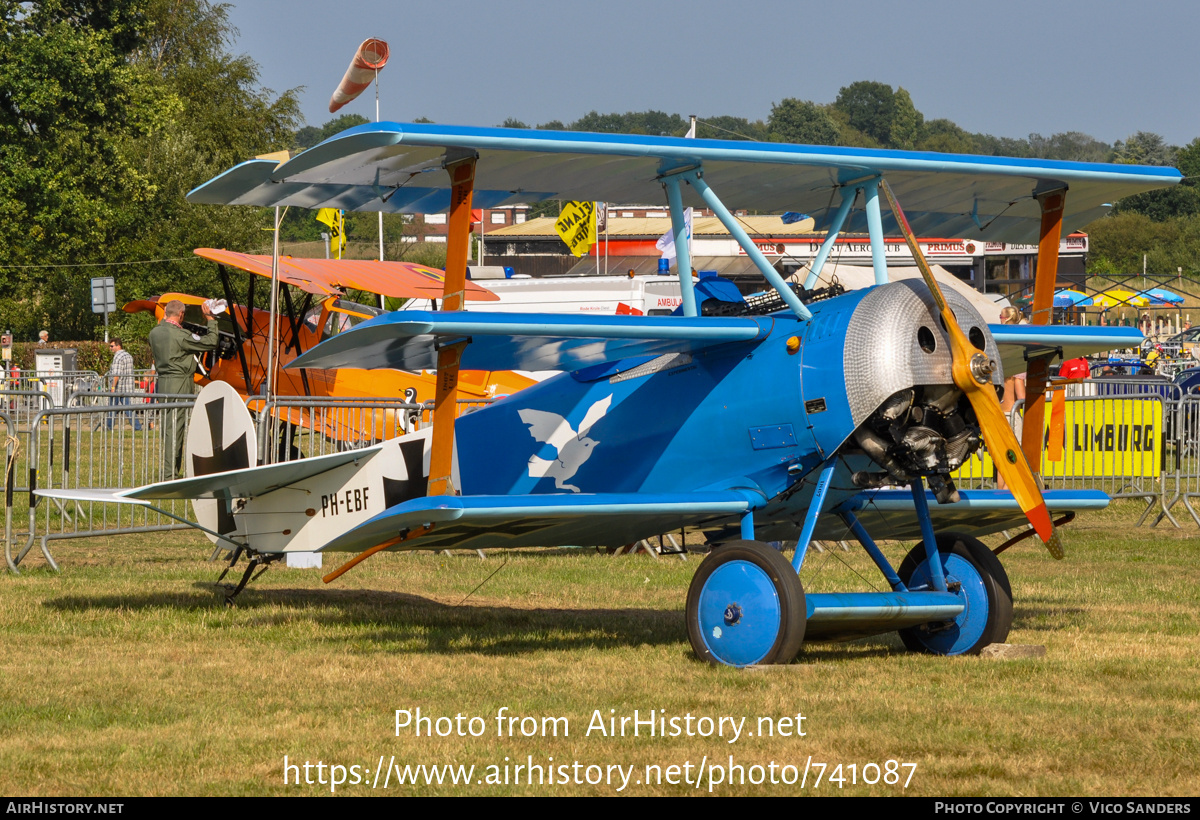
(112, 110)
(1164, 225)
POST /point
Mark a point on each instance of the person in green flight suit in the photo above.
(174, 348)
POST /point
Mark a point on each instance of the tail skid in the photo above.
(257, 560)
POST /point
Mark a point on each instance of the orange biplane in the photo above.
(317, 311)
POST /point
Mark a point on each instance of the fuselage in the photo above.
(758, 415)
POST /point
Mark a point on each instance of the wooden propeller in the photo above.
(973, 375)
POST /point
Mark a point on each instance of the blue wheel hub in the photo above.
(733, 614)
(969, 626)
(740, 614)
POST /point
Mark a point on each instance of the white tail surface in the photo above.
(298, 506)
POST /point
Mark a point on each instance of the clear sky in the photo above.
(1007, 68)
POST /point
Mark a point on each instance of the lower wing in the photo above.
(891, 514)
(499, 521)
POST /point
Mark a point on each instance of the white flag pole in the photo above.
(272, 346)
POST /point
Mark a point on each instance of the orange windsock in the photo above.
(371, 56)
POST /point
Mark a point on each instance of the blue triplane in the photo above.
(811, 414)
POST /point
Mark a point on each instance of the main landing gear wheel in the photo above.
(975, 575)
(746, 606)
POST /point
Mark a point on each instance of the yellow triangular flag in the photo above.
(577, 226)
(336, 220)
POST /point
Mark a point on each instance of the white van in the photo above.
(654, 295)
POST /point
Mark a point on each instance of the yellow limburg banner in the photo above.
(1104, 438)
(577, 226)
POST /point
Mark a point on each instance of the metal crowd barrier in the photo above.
(1136, 439)
(22, 405)
(11, 445)
(1121, 436)
(100, 395)
(88, 446)
(1185, 459)
(58, 385)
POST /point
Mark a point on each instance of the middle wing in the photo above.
(1019, 343)
(408, 340)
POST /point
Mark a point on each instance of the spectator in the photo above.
(43, 338)
(174, 358)
(120, 380)
(1074, 369)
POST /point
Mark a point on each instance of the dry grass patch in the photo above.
(125, 674)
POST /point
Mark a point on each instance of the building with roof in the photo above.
(627, 243)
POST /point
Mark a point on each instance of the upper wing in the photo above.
(499, 521)
(1019, 343)
(398, 168)
(891, 514)
(327, 277)
(407, 340)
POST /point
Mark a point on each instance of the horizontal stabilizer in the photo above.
(253, 482)
(408, 340)
(103, 496)
(500, 521)
(1018, 343)
(891, 514)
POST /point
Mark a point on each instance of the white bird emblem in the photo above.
(574, 448)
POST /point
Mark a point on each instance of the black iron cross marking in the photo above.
(416, 485)
(233, 457)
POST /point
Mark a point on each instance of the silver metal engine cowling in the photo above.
(909, 417)
(895, 340)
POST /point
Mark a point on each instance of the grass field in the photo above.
(126, 675)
